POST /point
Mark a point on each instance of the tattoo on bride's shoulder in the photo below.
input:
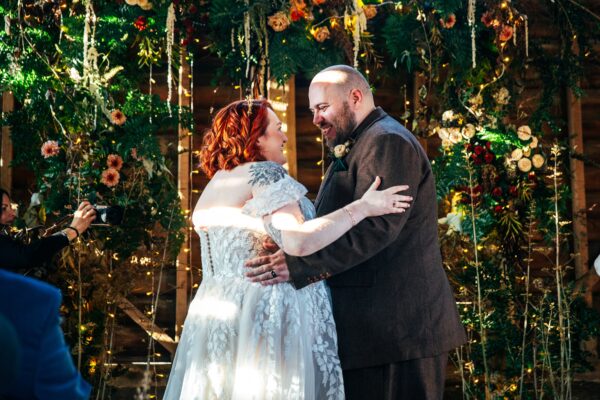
(264, 173)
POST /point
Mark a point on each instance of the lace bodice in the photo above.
(224, 249)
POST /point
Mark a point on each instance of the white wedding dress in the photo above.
(242, 340)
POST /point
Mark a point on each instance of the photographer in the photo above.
(18, 256)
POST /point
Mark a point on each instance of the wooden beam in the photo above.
(283, 99)
(184, 171)
(139, 318)
(580, 236)
(6, 149)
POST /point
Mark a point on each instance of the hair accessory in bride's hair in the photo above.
(249, 100)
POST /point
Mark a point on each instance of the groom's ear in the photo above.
(356, 97)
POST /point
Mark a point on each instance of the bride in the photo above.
(241, 339)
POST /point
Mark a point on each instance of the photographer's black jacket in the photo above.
(15, 255)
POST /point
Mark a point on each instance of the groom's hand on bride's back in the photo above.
(270, 269)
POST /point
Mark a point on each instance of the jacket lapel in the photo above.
(326, 180)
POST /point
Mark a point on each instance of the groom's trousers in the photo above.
(418, 379)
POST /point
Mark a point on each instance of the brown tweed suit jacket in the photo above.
(391, 297)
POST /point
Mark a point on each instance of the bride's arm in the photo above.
(302, 238)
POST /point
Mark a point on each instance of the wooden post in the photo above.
(580, 237)
(418, 81)
(6, 150)
(184, 171)
(283, 100)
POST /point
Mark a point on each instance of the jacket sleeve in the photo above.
(57, 377)
(398, 162)
(17, 256)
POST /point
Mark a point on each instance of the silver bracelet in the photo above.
(350, 215)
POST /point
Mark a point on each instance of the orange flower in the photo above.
(370, 11)
(449, 22)
(114, 161)
(110, 177)
(50, 148)
(117, 117)
(506, 33)
(318, 2)
(278, 21)
(487, 19)
(321, 34)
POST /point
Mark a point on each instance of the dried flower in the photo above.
(502, 96)
(506, 33)
(476, 100)
(524, 164)
(524, 132)
(110, 177)
(50, 149)
(517, 154)
(117, 117)
(114, 161)
(370, 11)
(321, 34)
(278, 21)
(538, 160)
(534, 142)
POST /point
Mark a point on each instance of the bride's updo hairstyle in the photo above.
(233, 137)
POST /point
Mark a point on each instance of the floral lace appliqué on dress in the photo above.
(242, 340)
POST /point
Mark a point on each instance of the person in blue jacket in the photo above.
(46, 370)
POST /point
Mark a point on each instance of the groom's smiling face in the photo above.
(331, 112)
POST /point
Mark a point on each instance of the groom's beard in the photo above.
(344, 125)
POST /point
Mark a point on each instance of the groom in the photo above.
(393, 306)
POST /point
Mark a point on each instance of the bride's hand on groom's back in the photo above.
(379, 202)
(268, 270)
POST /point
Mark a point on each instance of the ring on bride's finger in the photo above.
(273, 274)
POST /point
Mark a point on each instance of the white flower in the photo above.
(443, 134)
(448, 116)
(455, 135)
(469, 131)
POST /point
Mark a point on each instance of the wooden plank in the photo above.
(575, 129)
(184, 171)
(139, 318)
(283, 100)
(6, 149)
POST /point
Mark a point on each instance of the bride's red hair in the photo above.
(233, 137)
